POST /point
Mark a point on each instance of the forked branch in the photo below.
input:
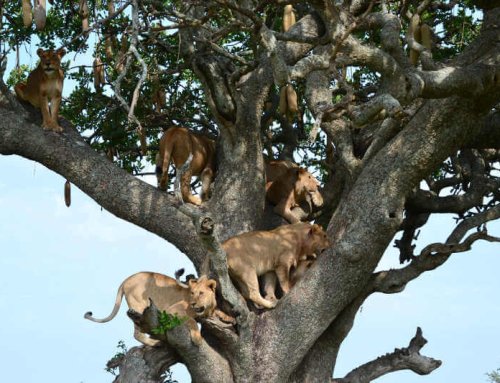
(431, 257)
(408, 358)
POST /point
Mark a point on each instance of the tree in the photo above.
(395, 139)
(494, 376)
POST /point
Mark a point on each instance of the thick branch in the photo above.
(218, 259)
(470, 81)
(111, 187)
(145, 364)
(180, 340)
(386, 179)
(489, 137)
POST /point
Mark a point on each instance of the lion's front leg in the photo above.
(252, 289)
(194, 332)
(46, 117)
(269, 280)
(283, 208)
(283, 273)
(54, 113)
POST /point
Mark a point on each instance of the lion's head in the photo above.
(317, 240)
(308, 185)
(50, 60)
(202, 296)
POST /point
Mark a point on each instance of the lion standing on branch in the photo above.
(177, 144)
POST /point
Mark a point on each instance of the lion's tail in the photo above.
(167, 154)
(118, 302)
(162, 162)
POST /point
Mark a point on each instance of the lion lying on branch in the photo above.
(177, 144)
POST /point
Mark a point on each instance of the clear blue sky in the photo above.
(57, 263)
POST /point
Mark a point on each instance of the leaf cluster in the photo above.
(167, 322)
(103, 121)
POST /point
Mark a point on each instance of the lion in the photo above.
(44, 86)
(252, 254)
(288, 186)
(177, 144)
(194, 300)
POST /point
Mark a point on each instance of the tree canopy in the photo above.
(397, 115)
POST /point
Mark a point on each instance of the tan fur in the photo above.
(255, 253)
(44, 86)
(270, 280)
(177, 144)
(288, 186)
(194, 301)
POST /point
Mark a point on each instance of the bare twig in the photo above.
(132, 50)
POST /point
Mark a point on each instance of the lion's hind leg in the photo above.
(19, 88)
(251, 290)
(143, 338)
(186, 189)
(283, 273)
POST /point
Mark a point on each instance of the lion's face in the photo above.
(317, 240)
(202, 296)
(50, 60)
(309, 185)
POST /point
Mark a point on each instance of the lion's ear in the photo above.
(212, 284)
(61, 52)
(202, 278)
(39, 52)
(192, 282)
